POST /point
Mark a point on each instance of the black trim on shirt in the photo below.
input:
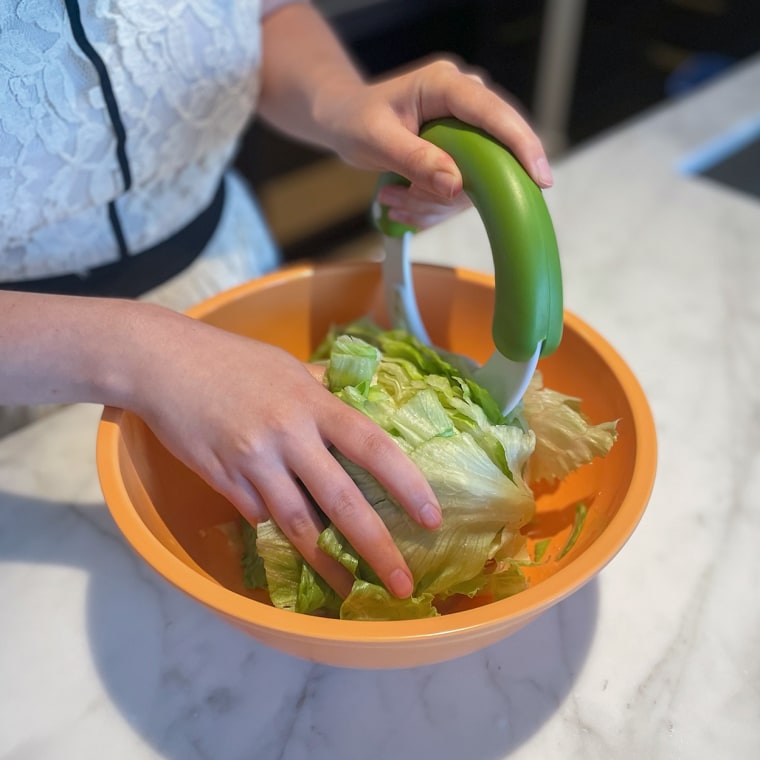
(77, 30)
(132, 276)
(118, 232)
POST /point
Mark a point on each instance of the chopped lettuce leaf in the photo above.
(352, 363)
(505, 583)
(369, 601)
(581, 511)
(292, 582)
(565, 439)
(254, 574)
(540, 550)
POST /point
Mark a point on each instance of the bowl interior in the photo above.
(150, 492)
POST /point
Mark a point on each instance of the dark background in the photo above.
(634, 54)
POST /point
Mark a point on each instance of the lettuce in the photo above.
(477, 462)
(565, 439)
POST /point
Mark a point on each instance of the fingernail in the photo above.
(445, 184)
(430, 517)
(401, 583)
(544, 173)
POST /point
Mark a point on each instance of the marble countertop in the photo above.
(657, 658)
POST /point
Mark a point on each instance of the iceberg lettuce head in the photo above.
(475, 459)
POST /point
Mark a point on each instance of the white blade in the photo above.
(506, 380)
(399, 288)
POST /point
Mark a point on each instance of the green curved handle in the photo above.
(380, 213)
(528, 278)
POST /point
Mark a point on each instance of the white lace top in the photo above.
(183, 79)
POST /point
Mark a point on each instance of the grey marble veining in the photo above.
(657, 658)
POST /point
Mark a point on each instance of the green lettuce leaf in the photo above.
(370, 601)
(292, 583)
(254, 573)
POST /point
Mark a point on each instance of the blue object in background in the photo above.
(695, 70)
(732, 158)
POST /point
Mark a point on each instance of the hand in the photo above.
(320, 97)
(376, 127)
(256, 424)
(249, 418)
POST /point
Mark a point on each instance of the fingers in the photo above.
(341, 499)
(277, 496)
(447, 91)
(368, 446)
(347, 508)
(424, 164)
(290, 508)
(417, 208)
(442, 89)
(303, 456)
(282, 499)
(246, 498)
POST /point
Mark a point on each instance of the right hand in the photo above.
(257, 425)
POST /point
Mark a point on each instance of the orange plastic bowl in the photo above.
(172, 518)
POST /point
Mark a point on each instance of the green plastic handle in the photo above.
(380, 212)
(528, 279)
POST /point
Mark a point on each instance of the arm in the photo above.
(318, 96)
(248, 417)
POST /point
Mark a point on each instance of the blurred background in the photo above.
(575, 67)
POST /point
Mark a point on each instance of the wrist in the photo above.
(66, 349)
(141, 337)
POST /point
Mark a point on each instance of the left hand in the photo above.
(321, 98)
(376, 127)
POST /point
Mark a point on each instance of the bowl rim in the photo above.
(266, 618)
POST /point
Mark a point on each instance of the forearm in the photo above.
(62, 349)
(303, 61)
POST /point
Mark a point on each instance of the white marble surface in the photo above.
(658, 658)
